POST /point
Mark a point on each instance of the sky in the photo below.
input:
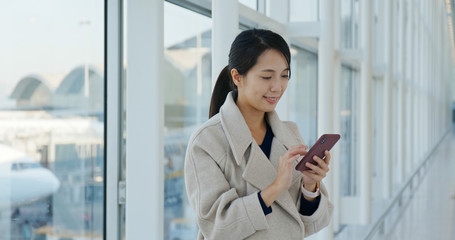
(52, 37)
(199, 24)
(48, 37)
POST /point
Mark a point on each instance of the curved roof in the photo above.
(27, 86)
(73, 83)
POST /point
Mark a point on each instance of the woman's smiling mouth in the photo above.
(272, 99)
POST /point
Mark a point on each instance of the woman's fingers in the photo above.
(314, 176)
(284, 176)
(320, 168)
(316, 169)
(297, 149)
(327, 157)
(321, 163)
(293, 158)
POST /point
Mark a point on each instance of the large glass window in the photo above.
(395, 173)
(378, 32)
(187, 86)
(348, 147)
(303, 93)
(378, 138)
(304, 10)
(349, 23)
(52, 120)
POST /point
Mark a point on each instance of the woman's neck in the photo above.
(255, 120)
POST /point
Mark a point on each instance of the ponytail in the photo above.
(222, 87)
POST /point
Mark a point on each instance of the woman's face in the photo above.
(260, 89)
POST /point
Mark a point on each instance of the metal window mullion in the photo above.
(365, 112)
(113, 119)
(387, 106)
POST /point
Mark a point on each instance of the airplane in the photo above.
(22, 179)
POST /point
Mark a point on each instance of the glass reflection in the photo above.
(349, 23)
(303, 93)
(52, 120)
(187, 67)
(304, 10)
(348, 105)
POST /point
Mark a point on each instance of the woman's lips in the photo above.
(272, 99)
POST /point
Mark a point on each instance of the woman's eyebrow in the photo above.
(271, 70)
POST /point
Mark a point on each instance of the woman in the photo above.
(239, 166)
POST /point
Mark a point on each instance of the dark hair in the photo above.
(245, 50)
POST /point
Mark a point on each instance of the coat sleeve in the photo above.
(321, 217)
(221, 213)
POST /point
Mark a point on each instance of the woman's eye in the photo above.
(266, 78)
(285, 76)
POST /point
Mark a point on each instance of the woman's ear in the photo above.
(236, 77)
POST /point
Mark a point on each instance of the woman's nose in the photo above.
(276, 85)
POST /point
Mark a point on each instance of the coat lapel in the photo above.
(237, 132)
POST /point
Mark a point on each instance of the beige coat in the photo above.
(225, 169)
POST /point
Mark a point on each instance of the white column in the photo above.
(387, 107)
(426, 61)
(412, 103)
(144, 120)
(416, 81)
(325, 88)
(335, 152)
(436, 74)
(365, 135)
(401, 92)
(428, 77)
(225, 16)
(113, 121)
(423, 79)
(438, 69)
(442, 95)
(409, 118)
(420, 96)
(336, 164)
(430, 84)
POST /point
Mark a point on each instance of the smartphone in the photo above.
(325, 142)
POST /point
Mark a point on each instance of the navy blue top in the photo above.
(307, 208)
(266, 145)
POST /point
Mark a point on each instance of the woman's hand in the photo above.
(317, 172)
(283, 179)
